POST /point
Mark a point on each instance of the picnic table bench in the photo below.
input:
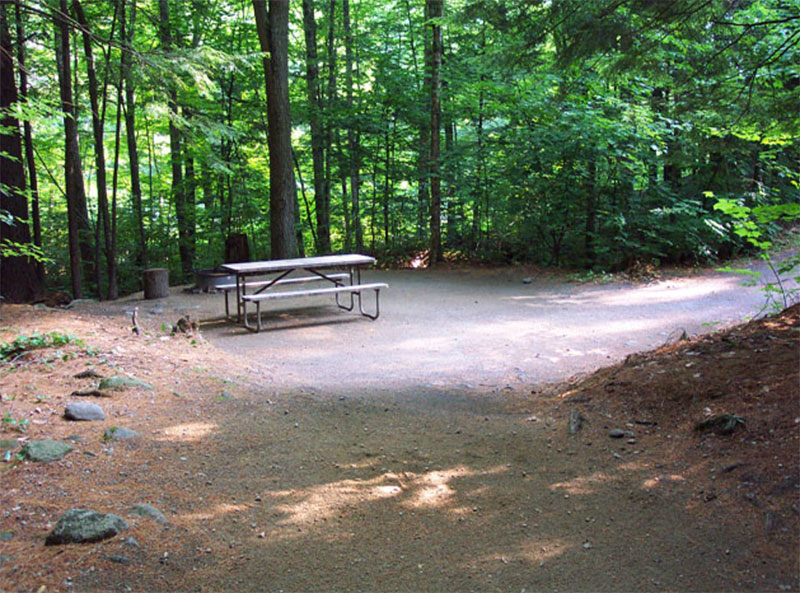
(319, 269)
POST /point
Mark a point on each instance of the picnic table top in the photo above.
(277, 265)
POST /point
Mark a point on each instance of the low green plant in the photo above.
(25, 343)
(753, 224)
(11, 423)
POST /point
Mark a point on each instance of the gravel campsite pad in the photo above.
(484, 434)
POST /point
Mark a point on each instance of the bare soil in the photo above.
(427, 451)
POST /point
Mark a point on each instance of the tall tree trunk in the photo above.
(19, 281)
(353, 141)
(273, 35)
(80, 250)
(591, 214)
(182, 214)
(126, 31)
(30, 161)
(423, 163)
(99, 149)
(435, 8)
(322, 205)
(330, 103)
(387, 182)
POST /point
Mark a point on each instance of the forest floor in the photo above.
(448, 446)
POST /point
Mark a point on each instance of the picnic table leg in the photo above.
(352, 302)
(377, 305)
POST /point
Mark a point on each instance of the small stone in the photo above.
(527, 280)
(723, 424)
(44, 451)
(84, 411)
(85, 526)
(120, 382)
(119, 559)
(88, 374)
(119, 433)
(576, 420)
(587, 546)
(616, 433)
(146, 510)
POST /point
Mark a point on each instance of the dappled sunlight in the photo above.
(218, 511)
(430, 490)
(188, 432)
(539, 550)
(669, 292)
(661, 481)
(583, 484)
(434, 490)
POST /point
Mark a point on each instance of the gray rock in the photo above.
(723, 424)
(84, 411)
(120, 382)
(120, 433)
(119, 559)
(576, 421)
(527, 280)
(79, 526)
(616, 433)
(44, 451)
(131, 542)
(146, 510)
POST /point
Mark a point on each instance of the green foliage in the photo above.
(9, 422)
(579, 134)
(756, 224)
(35, 341)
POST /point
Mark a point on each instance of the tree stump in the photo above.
(237, 249)
(156, 283)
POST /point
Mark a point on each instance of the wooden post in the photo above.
(156, 283)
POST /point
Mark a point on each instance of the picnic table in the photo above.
(340, 274)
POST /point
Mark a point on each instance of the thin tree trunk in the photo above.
(353, 141)
(273, 35)
(99, 148)
(591, 214)
(19, 282)
(423, 162)
(387, 182)
(182, 215)
(435, 8)
(322, 242)
(331, 101)
(126, 31)
(33, 183)
(77, 212)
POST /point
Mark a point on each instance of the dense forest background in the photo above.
(580, 133)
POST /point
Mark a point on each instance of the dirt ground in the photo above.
(430, 450)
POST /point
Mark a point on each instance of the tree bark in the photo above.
(322, 205)
(179, 195)
(99, 152)
(30, 161)
(19, 281)
(353, 141)
(273, 35)
(435, 8)
(331, 101)
(80, 250)
(126, 31)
